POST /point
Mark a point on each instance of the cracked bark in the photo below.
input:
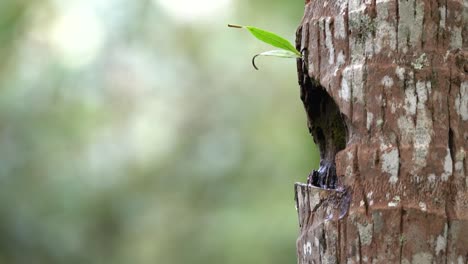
(386, 100)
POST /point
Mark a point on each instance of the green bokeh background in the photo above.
(133, 134)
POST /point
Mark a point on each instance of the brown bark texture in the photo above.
(385, 88)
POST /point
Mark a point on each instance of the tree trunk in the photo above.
(385, 88)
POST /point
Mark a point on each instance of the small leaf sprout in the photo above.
(287, 50)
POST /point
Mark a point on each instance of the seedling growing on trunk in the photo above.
(287, 50)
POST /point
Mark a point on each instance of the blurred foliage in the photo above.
(131, 133)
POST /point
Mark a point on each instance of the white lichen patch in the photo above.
(352, 84)
(431, 178)
(461, 101)
(387, 81)
(345, 91)
(446, 55)
(390, 162)
(340, 59)
(356, 6)
(422, 258)
(393, 107)
(423, 206)
(459, 167)
(406, 126)
(361, 203)
(365, 233)
(370, 118)
(340, 32)
(363, 28)
(448, 166)
(442, 12)
(429, 87)
(385, 35)
(405, 261)
(358, 84)
(343, 4)
(369, 46)
(314, 200)
(329, 41)
(441, 242)
(400, 72)
(456, 40)
(349, 169)
(411, 23)
(307, 249)
(423, 129)
(410, 98)
(379, 122)
(420, 62)
(395, 201)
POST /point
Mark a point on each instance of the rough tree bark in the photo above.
(385, 88)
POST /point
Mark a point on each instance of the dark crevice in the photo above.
(399, 156)
(326, 125)
(366, 202)
(450, 200)
(397, 7)
(324, 241)
(451, 146)
(401, 234)
(383, 107)
(451, 143)
(415, 116)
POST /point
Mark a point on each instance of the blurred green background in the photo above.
(138, 132)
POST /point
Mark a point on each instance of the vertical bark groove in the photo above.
(401, 236)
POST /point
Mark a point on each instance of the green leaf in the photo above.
(276, 53)
(270, 38)
(280, 53)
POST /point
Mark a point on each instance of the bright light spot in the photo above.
(191, 10)
(77, 36)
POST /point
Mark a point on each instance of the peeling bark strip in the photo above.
(385, 88)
